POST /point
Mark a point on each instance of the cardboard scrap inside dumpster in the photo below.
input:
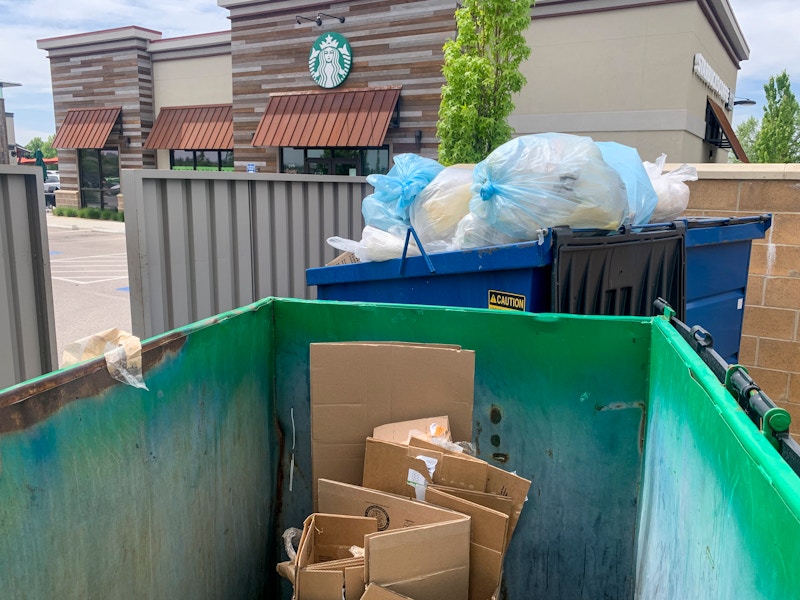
(325, 563)
(492, 497)
(357, 386)
(444, 518)
(420, 550)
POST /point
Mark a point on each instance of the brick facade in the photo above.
(770, 346)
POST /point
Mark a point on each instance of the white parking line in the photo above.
(90, 269)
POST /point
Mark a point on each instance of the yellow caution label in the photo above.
(506, 301)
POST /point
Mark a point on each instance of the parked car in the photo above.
(51, 184)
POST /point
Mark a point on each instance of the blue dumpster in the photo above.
(717, 265)
(699, 266)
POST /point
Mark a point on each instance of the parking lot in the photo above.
(89, 274)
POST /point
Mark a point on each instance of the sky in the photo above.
(769, 27)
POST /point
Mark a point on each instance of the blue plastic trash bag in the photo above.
(642, 198)
(539, 181)
(387, 208)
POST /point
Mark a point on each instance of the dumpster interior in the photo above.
(648, 480)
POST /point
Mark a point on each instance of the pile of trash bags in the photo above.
(527, 185)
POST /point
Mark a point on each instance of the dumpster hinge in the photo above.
(773, 421)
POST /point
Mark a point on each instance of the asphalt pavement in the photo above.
(89, 275)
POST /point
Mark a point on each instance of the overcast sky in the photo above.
(769, 26)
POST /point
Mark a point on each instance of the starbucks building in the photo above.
(340, 87)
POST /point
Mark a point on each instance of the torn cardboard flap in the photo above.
(122, 350)
(498, 481)
(419, 547)
(324, 556)
(358, 386)
(401, 433)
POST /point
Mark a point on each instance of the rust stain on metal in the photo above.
(26, 405)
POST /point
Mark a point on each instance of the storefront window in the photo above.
(99, 177)
(201, 160)
(335, 161)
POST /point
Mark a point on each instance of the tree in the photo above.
(46, 146)
(746, 134)
(778, 139)
(481, 69)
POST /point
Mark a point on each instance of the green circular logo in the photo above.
(330, 60)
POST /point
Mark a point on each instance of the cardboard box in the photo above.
(324, 565)
(402, 432)
(420, 550)
(358, 386)
(462, 484)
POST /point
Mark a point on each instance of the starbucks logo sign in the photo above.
(329, 60)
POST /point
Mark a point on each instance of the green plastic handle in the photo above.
(776, 420)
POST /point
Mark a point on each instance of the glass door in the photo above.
(99, 177)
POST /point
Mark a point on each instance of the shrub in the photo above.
(89, 213)
(59, 211)
(70, 211)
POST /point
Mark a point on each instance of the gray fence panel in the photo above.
(27, 322)
(202, 243)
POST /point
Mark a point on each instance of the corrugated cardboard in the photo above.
(498, 481)
(358, 386)
(324, 558)
(421, 550)
(402, 432)
(345, 258)
(376, 592)
(386, 466)
(488, 541)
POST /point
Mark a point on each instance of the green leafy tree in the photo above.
(778, 139)
(481, 69)
(746, 133)
(46, 146)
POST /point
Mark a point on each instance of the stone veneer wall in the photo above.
(770, 346)
(105, 69)
(394, 43)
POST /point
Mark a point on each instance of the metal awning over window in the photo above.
(719, 131)
(208, 127)
(86, 127)
(352, 118)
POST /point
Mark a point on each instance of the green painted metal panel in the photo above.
(648, 481)
(720, 513)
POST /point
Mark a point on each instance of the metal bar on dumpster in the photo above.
(409, 232)
(771, 420)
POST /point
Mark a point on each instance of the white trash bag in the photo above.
(672, 192)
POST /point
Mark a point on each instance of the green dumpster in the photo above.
(648, 479)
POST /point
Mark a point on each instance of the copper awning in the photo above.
(351, 118)
(208, 127)
(722, 134)
(86, 127)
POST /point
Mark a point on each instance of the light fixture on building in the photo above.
(322, 14)
(300, 18)
(740, 102)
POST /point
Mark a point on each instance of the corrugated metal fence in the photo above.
(203, 243)
(27, 324)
